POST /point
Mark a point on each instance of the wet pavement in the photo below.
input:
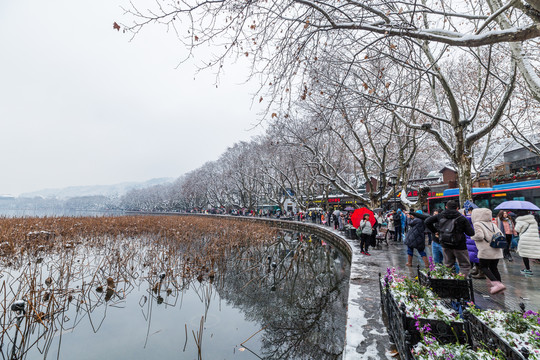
(367, 337)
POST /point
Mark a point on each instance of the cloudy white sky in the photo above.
(81, 105)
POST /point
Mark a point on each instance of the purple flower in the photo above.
(431, 264)
(426, 329)
(529, 313)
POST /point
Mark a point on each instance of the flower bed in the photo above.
(410, 307)
(516, 334)
(430, 349)
(445, 283)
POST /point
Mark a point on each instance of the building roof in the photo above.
(449, 168)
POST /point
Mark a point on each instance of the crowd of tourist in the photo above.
(462, 239)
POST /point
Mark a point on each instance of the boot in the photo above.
(409, 260)
(426, 261)
(479, 275)
(497, 287)
(474, 269)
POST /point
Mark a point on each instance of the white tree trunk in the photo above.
(464, 167)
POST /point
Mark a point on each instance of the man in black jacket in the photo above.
(455, 249)
(436, 249)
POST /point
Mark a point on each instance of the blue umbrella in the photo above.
(517, 205)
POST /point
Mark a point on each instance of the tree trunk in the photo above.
(464, 178)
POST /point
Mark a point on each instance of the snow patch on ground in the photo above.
(375, 332)
(356, 320)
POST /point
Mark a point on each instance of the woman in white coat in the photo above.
(529, 240)
(488, 257)
(390, 224)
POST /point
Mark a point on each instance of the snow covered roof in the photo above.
(434, 174)
(448, 167)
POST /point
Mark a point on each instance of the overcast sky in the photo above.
(82, 105)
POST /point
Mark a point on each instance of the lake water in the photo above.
(285, 301)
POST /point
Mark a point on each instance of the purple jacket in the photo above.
(471, 246)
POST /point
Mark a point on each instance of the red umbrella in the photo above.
(358, 215)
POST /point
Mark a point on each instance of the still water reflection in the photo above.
(283, 301)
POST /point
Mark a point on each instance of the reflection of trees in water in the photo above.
(297, 290)
(75, 280)
(59, 290)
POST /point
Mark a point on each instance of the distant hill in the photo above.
(93, 190)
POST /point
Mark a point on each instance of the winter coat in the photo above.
(365, 227)
(461, 227)
(424, 217)
(483, 232)
(390, 222)
(415, 237)
(529, 241)
(471, 245)
(501, 225)
(397, 220)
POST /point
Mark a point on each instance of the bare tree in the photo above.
(284, 39)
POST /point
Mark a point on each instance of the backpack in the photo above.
(446, 232)
(498, 240)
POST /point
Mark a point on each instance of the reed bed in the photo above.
(57, 266)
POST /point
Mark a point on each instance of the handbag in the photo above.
(515, 241)
(498, 240)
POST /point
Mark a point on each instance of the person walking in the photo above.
(506, 225)
(415, 239)
(476, 272)
(364, 231)
(390, 224)
(436, 249)
(403, 224)
(529, 240)
(452, 229)
(488, 256)
(397, 225)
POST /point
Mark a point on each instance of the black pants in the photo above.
(489, 267)
(364, 242)
(527, 263)
(506, 251)
(397, 229)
